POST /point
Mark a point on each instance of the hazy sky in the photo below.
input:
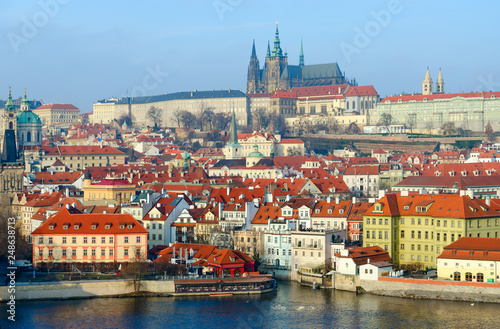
(68, 51)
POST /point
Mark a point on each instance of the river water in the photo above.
(292, 306)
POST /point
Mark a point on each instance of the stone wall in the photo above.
(345, 282)
(433, 289)
(87, 289)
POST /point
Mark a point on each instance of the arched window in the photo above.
(11, 126)
(480, 277)
(28, 136)
(22, 137)
(353, 105)
(456, 276)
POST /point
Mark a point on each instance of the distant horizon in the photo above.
(70, 53)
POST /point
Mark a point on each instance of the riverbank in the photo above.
(142, 288)
(421, 289)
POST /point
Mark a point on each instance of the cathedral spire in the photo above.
(277, 48)
(268, 50)
(301, 56)
(427, 85)
(254, 53)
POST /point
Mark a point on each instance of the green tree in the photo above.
(385, 121)
(489, 132)
(353, 129)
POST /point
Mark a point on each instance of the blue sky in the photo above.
(81, 51)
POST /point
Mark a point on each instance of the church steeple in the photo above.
(277, 48)
(427, 85)
(233, 138)
(232, 150)
(440, 83)
(9, 106)
(25, 104)
(268, 50)
(301, 56)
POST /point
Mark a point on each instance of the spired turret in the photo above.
(440, 83)
(427, 85)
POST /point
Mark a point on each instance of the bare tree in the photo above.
(177, 117)
(188, 119)
(261, 119)
(385, 121)
(221, 120)
(334, 126)
(154, 114)
(208, 117)
(353, 129)
(448, 128)
(429, 126)
(411, 122)
(126, 118)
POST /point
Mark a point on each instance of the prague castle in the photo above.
(277, 74)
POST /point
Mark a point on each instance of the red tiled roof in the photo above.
(57, 106)
(361, 91)
(85, 222)
(420, 97)
(487, 249)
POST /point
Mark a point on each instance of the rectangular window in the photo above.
(402, 246)
(103, 252)
(93, 239)
(64, 252)
(93, 252)
(40, 240)
(50, 253)
(380, 234)
(386, 235)
(437, 236)
(85, 252)
(111, 252)
(413, 234)
(367, 234)
(85, 239)
(419, 235)
(125, 252)
(138, 239)
(73, 252)
(402, 220)
(126, 239)
(103, 239)
(402, 233)
(40, 252)
(160, 237)
(64, 239)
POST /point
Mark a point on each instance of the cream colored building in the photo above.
(219, 101)
(311, 251)
(81, 157)
(470, 259)
(51, 114)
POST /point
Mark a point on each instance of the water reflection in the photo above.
(292, 306)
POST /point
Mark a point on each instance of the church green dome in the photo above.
(256, 153)
(28, 117)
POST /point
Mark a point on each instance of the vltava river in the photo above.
(292, 306)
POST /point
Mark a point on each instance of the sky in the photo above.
(78, 52)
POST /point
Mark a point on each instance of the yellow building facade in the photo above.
(416, 228)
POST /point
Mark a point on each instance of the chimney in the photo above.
(353, 200)
(381, 194)
(337, 199)
(329, 199)
(228, 190)
(67, 192)
(462, 193)
(67, 206)
(488, 201)
(368, 261)
(105, 212)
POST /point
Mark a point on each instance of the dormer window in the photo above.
(65, 227)
(107, 226)
(94, 226)
(122, 227)
(129, 226)
(329, 211)
(233, 259)
(316, 211)
(76, 227)
(51, 227)
(341, 211)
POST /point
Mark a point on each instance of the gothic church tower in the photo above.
(427, 86)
